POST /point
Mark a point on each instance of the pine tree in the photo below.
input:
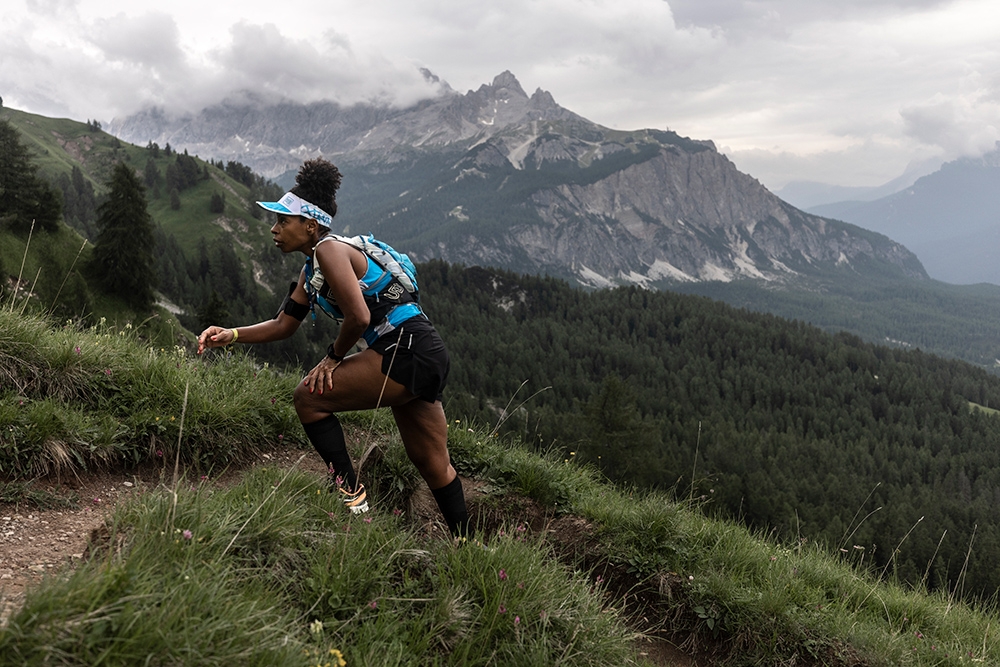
(123, 250)
(24, 196)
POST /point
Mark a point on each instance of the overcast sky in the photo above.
(847, 92)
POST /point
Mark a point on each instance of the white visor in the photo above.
(290, 204)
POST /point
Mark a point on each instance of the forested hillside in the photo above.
(818, 436)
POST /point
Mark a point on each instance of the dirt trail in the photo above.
(34, 543)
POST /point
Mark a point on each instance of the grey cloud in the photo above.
(52, 8)
(742, 15)
(262, 59)
(959, 127)
(149, 40)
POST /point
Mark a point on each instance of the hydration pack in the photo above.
(391, 296)
(396, 263)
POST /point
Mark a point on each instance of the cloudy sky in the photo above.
(848, 92)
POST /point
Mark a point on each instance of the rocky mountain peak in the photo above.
(506, 82)
(495, 177)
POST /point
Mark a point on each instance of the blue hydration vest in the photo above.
(389, 291)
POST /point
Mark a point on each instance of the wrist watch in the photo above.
(333, 355)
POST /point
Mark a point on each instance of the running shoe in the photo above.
(357, 502)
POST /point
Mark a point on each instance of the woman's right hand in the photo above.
(214, 336)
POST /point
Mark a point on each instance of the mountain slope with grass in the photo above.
(268, 570)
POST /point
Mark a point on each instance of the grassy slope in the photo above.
(269, 558)
(57, 145)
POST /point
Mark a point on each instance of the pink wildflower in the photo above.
(503, 575)
(503, 609)
(517, 620)
(187, 534)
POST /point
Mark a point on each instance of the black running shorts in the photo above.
(414, 356)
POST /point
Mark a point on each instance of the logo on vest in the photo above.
(394, 291)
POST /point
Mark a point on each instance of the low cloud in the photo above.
(959, 127)
(841, 90)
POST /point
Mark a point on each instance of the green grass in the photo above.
(273, 572)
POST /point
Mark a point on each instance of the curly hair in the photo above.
(317, 183)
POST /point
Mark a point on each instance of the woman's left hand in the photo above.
(321, 376)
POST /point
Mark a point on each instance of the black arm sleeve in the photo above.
(291, 307)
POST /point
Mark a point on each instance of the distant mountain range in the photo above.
(950, 219)
(497, 177)
(809, 194)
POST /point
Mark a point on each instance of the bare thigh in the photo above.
(358, 384)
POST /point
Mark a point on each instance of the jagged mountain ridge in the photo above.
(501, 178)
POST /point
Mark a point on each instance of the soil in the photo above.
(36, 542)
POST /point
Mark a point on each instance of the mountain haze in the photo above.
(950, 219)
(498, 177)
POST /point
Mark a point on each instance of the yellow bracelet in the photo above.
(236, 335)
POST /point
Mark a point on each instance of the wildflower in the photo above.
(187, 534)
(316, 627)
(368, 519)
(503, 609)
(339, 657)
(272, 400)
(396, 511)
(517, 620)
(600, 579)
(281, 436)
(97, 501)
(373, 604)
(77, 349)
(107, 371)
(520, 585)
(503, 575)
(159, 453)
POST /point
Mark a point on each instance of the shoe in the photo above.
(357, 502)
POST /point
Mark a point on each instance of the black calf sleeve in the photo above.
(451, 501)
(327, 437)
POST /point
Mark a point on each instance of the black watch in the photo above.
(333, 355)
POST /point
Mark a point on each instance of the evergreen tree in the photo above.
(212, 311)
(123, 250)
(23, 196)
(217, 204)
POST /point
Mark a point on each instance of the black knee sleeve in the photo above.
(327, 436)
(451, 501)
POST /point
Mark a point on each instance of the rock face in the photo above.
(500, 178)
